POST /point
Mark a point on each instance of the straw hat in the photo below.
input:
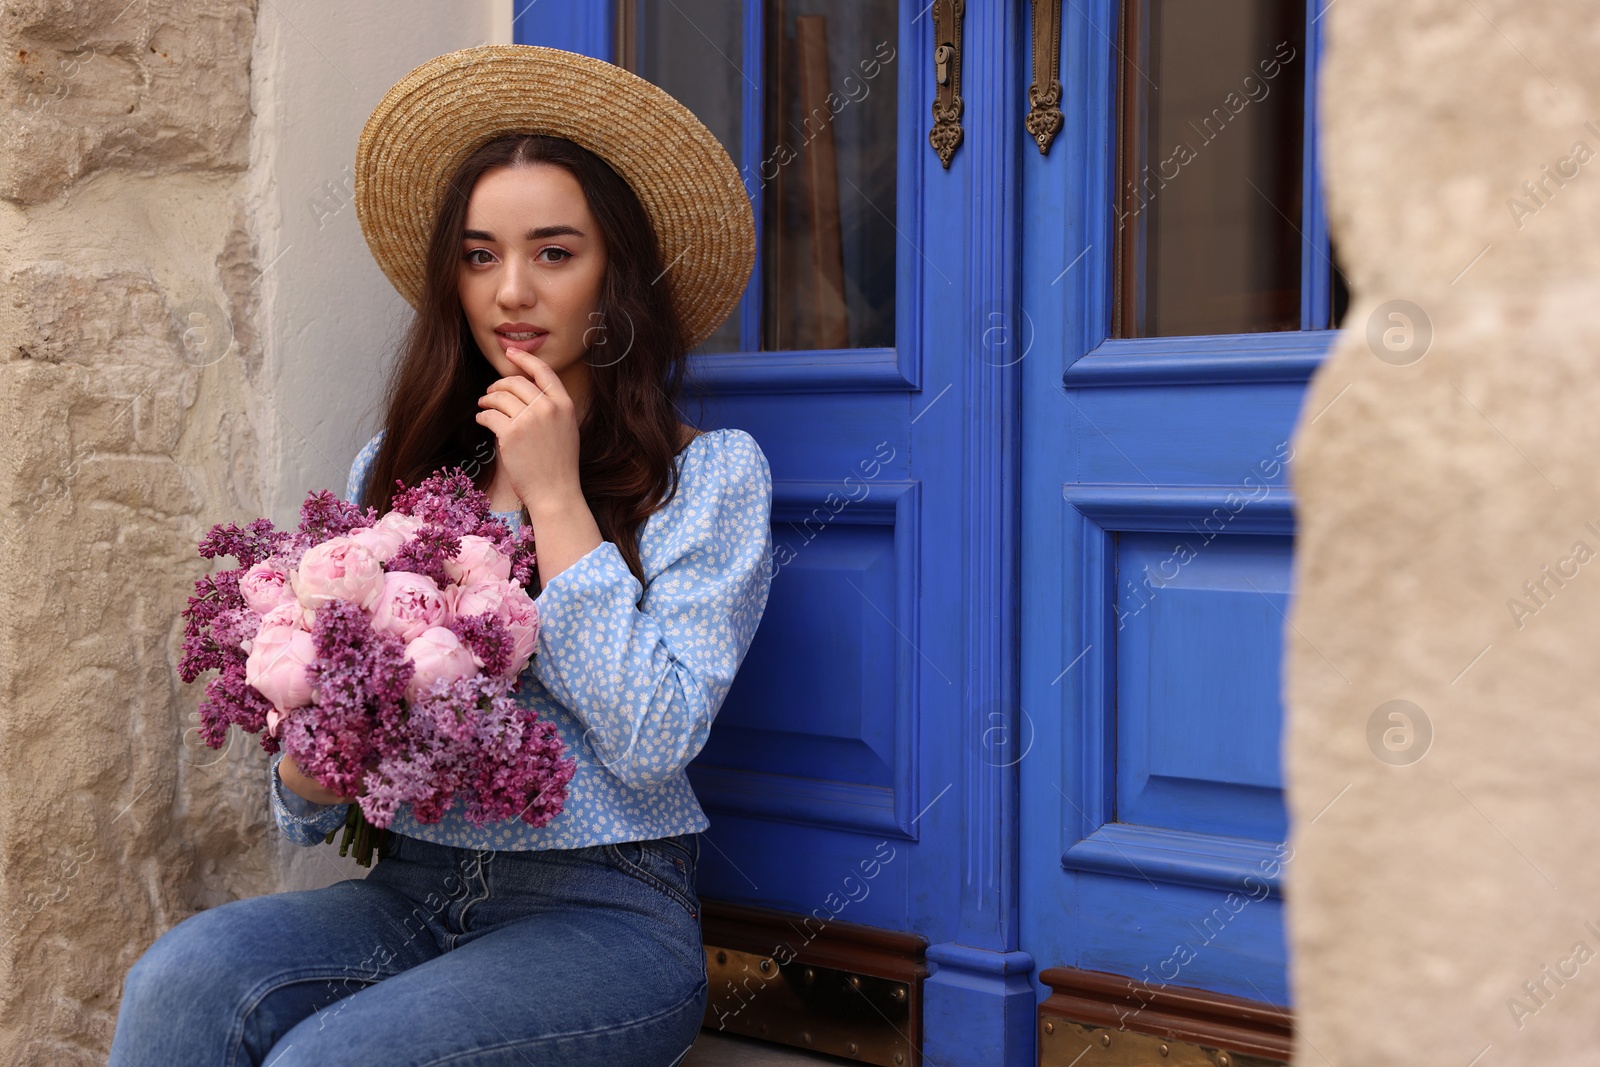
(448, 107)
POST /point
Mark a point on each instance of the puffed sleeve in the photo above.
(646, 681)
(305, 822)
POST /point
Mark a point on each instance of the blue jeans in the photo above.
(441, 955)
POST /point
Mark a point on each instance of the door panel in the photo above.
(1157, 534)
(1197, 702)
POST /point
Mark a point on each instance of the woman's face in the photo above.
(532, 261)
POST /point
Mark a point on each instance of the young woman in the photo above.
(565, 232)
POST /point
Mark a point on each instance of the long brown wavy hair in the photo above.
(629, 436)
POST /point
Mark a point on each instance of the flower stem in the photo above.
(361, 838)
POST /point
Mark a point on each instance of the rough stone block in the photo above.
(145, 86)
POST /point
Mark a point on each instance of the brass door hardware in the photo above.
(1062, 1042)
(1091, 1017)
(946, 133)
(828, 1009)
(1044, 119)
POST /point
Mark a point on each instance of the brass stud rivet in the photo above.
(855, 981)
(1162, 1049)
(898, 993)
(1105, 1039)
(766, 965)
(1049, 1027)
(854, 1049)
(1224, 1060)
(899, 1057)
(805, 1036)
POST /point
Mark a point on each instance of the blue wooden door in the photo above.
(851, 775)
(1177, 288)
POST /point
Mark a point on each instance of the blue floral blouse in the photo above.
(632, 690)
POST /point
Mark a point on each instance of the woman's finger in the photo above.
(496, 422)
(520, 387)
(502, 400)
(537, 369)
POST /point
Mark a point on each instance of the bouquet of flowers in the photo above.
(382, 652)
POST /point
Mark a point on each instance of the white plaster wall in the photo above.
(330, 320)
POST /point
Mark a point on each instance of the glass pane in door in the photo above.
(1210, 172)
(822, 94)
(693, 49)
(828, 171)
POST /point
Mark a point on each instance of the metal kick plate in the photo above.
(1063, 1043)
(823, 1009)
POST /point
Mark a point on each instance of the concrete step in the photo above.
(732, 1050)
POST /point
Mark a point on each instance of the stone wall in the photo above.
(122, 228)
(156, 378)
(1446, 475)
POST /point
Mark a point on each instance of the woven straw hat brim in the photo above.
(448, 107)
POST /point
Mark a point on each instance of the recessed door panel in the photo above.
(822, 614)
(1199, 640)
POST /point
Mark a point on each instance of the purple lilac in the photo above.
(324, 516)
(451, 502)
(229, 700)
(470, 740)
(214, 595)
(486, 636)
(426, 552)
(335, 744)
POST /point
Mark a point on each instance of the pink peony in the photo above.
(382, 542)
(480, 599)
(478, 562)
(280, 652)
(400, 523)
(266, 585)
(409, 604)
(437, 654)
(521, 618)
(337, 569)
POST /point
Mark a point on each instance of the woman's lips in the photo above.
(520, 344)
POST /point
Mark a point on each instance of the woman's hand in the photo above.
(309, 788)
(535, 424)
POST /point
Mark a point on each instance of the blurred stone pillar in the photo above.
(129, 385)
(1443, 681)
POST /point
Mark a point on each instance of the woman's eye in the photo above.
(475, 251)
(559, 251)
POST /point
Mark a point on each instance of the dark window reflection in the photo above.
(826, 166)
(1209, 167)
(693, 50)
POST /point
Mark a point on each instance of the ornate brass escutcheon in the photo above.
(1044, 119)
(946, 132)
